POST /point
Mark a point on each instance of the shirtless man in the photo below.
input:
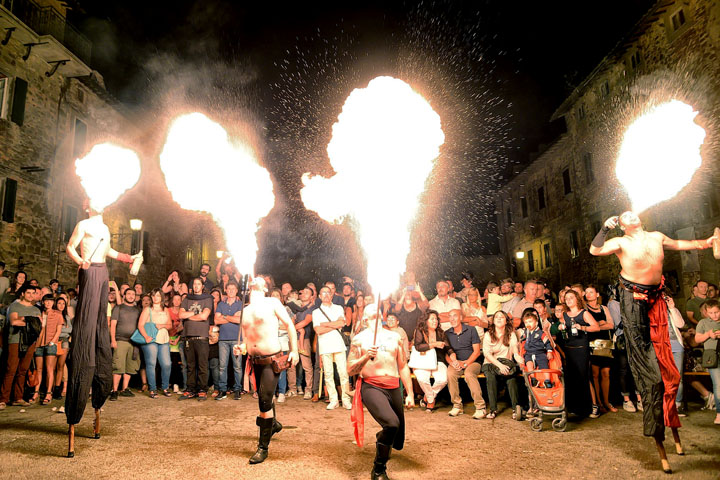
(645, 319)
(380, 364)
(259, 338)
(90, 358)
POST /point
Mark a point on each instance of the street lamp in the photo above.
(519, 255)
(135, 224)
(219, 253)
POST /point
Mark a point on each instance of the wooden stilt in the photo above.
(71, 441)
(678, 445)
(96, 424)
(663, 456)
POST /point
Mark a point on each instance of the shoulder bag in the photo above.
(710, 358)
(423, 360)
(150, 328)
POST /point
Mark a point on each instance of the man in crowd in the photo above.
(18, 362)
(327, 321)
(467, 283)
(261, 321)
(444, 303)
(208, 284)
(692, 307)
(138, 290)
(530, 290)
(645, 318)
(380, 362)
(195, 312)
(463, 360)
(712, 291)
(126, 358)
(303, 321)
(507, 287)
(227, 317)
(337, 299)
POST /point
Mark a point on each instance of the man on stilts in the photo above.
(259, 338)
(90, 358)
(378, 358)
(645, 319)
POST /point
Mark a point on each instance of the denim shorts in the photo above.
(46, 351)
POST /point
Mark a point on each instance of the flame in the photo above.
(107, 172)
(383, 148)
(206, 171)
(659, 154)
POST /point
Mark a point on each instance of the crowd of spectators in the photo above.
(177, 339)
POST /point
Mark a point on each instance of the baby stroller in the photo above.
(547, 396)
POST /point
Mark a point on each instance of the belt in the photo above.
(264, 359)
(195, 338)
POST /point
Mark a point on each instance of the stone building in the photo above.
(53, 109)
(549, 213)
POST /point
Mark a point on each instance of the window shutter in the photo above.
(18, 105)
(8, 207)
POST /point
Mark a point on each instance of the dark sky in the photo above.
(494, 70)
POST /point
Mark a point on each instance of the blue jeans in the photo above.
(226, 353)
(715, 377)
(155, 353)
(678, 357)
(214, 367)
(181, 346)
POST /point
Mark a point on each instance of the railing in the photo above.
(48, 21)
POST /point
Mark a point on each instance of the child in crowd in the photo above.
(495, 300)
(538, 348)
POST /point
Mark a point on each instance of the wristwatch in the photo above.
(51, 344)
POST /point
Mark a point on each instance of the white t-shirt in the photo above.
(441, 306)
(329, 342)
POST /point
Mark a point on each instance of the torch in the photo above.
(378, 319)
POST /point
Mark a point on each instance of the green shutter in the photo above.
(18, 105)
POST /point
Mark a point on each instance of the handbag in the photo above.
(508, 363)
(423, 360)
(280, 362)
(150, 329)
(34, 376)
(602, 347)
(710, 358)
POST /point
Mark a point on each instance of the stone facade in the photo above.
(553, 208)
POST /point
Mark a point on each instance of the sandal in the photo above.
(167, 393)
(47, 399)
(144, 388)
(491, 415)
(153, 394)
(34, 398)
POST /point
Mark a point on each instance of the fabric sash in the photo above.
(357, 415)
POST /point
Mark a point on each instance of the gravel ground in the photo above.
(166, 438)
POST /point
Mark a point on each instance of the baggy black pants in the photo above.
(386, 407)
(90, 358)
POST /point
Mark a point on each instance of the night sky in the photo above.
(493, 70)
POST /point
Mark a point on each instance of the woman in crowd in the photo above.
(707, 333)
(10, 295)
(46, 350)
(473, 312)
(577, 322)
(61, 305)
(676, 322)
(178, 370)
(428, 336)
(500, 347)
(173, 283)
(156, 350)
(600, 365)
(358, 313)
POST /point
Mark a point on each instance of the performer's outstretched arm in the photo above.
(671, 244)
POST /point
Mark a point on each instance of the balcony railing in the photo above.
(48, 21)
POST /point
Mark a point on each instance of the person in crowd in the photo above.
(304, 327)
(54, 285)
(463, 353)
(541, 307)
(287, 377)
(208, 284)
(707, 333)
(19, 354)
(712, 291)
(139, 290)
(62, 347)
(443, 303)
(145, 301)
(507, 287)
(692, 306)
(195, 312)
(495, 299)
(526, 301)
(286, 288)
(538, 347)
(466, 281)
(11, 293)
(213, 359)
(227, 318)
(173, 283)
(500, 347)
(157, 349)
(677, 322)
(4, 281)
(178, 370)
(429, 336)
(358, 313)
(600, 364)
(327, 320)
(473, 312)
(348, 303)
(627, 383)
(410, 308)
(126, 361)
(46, 347)
(393, 324)
(577, 322)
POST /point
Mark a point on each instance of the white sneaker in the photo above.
(308, 395)
(290, 393)
(281, 398)
(455, 412)
(347, 405)
(479, 414)
(640, 405)
(629, 407)
(710, 402)
(333, 405)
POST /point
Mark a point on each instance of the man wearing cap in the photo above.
(259, 338)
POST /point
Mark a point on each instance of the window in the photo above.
(189, 259)
(574, 244)
(17, 113)
(567, 187)
(8, 204)
(635, 60)
(135, 242)
(548, 257)
(595, 227)
(4, 85)
(79, 138)
(604, 89)
(523, 206)
(69, 222)
(587, 161)
(509, 217)
(677, 20)
(145, 248)
(531, 261)
(581, 111)
(541, 198)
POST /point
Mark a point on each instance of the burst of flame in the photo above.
(107, 172)
(383, 148)
(207, 172)
(660, 153)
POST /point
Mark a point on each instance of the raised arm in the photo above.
(599, 246)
